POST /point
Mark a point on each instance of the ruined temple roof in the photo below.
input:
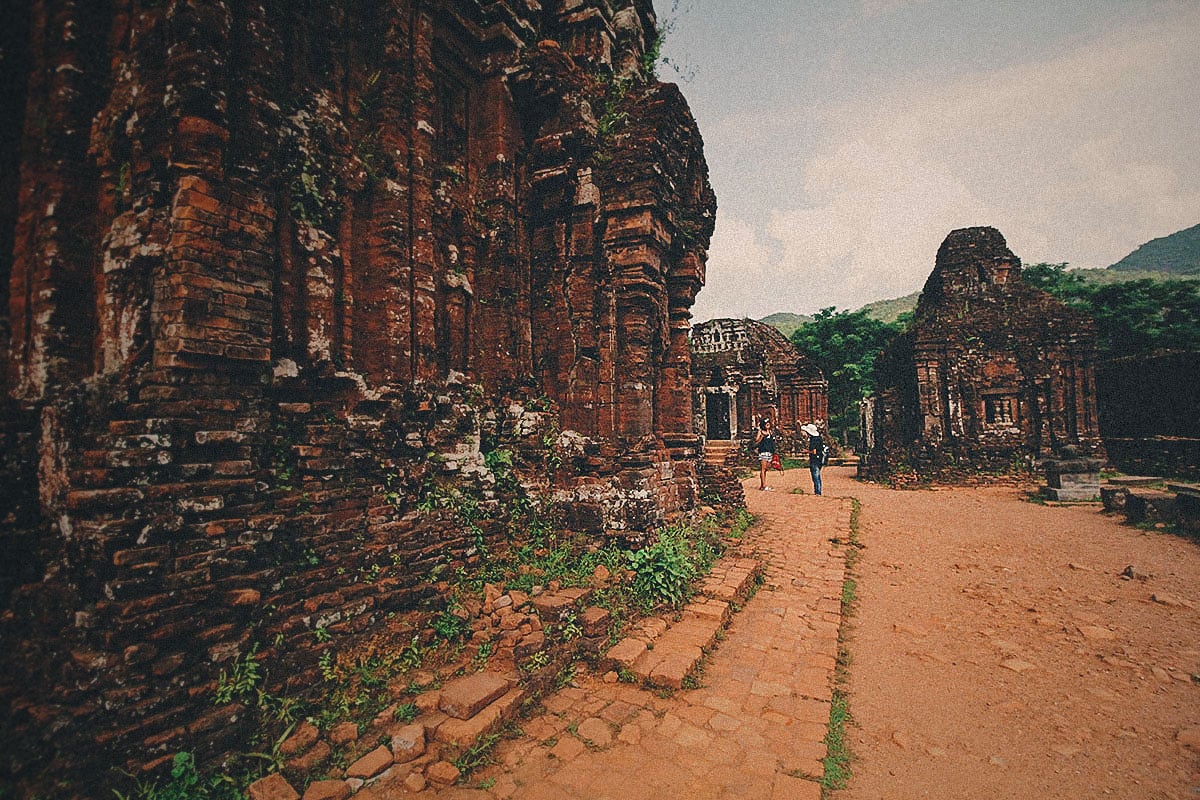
(976, 292)
(749, 345)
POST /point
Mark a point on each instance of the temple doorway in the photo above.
(717, 411)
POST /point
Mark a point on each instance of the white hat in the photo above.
(810, 429)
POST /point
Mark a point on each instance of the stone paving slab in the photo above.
(754, 728)
(463, 698)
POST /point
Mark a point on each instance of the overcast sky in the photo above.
(846, 139)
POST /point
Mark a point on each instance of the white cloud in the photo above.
(740, 273)
(1079, 158)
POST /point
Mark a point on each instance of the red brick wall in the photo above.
(267, 259)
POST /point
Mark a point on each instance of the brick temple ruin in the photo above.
(275, 272)
(743, 370)
(991, 374)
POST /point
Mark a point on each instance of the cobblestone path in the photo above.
(755, 726)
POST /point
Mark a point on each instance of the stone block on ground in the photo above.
(408, 743)
(304, 737)
(432, 721)
(712, 609)
(371, 764)
(595, 620)
(674, 668)
(442, 774)
(551, 605)
(272, 787)
(464, 732)
(344, 733)
(529, 644)
(309, 760)
(596, 731)
(327, 790)
(463, 697)
(1114, 497)
(1150, 505)
(1134, 480)
(649, 629)
(624, 653)
(1071, 494)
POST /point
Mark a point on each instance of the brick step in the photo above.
(664, 653)
(453, 718)
(732, 580)
(1134, 480)
(471, 707)
(1150, 505)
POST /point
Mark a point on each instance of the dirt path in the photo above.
(997, 651)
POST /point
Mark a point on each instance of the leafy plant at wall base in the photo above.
(742, 520)
(536, 661)
(185, 783)
(662, 571)
(325, 663)
(450, 626)
(241, 681)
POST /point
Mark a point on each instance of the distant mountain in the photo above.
(787, 323)
(890, 310)
(882, 310)
(1178, 254)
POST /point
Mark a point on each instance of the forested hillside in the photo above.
(1178, 254)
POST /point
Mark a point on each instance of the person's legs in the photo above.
(762, 473)
(816, 476)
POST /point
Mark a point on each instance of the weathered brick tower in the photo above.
(991, 374)
(270, 271)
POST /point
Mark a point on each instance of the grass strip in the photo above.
(838, 757)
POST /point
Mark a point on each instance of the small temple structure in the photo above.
(743, 370)
(992, 374)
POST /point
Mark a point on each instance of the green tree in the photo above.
(1132, 317)
(844, 344)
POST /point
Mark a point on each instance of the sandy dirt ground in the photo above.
(997, 650)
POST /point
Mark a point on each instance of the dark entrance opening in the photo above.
(717, 411)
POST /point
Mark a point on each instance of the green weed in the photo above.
(837, 759)
(477, 755)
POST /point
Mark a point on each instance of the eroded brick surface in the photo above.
(371, 764)
(260, 272)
